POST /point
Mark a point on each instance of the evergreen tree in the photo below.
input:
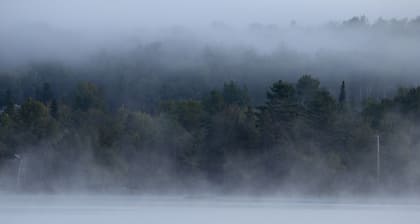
(54, 109)
(88, 96)
(342, 96)
(34, 118)
(277, 116)
(306, 89)
(10, 105)
(321, 110)
(32, 111)
(214, 102)
(232, 94)
(46, 93)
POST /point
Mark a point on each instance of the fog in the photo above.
(209, 111)
(76, 30)
(188, 12)
(111, 209)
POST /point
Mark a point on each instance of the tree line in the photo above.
(302, 138)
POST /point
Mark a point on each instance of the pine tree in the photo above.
(88, 96)
(342, 96)
(10, 106)
(306, 89)
(54, 109)
(233, 94)
(276, 117)
(46, 94)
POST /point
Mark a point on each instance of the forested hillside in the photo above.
(164, 119)
(302, 135)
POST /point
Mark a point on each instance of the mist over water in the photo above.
(111, 209)
(209, 111)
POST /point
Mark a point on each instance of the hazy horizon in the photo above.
(108, 14)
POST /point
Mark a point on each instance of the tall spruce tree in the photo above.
(342, 96)
(276, 117)
(54, 108)
(46, 94)
(10, 105)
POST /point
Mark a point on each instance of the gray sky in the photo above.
(42, 29)
(197, 12)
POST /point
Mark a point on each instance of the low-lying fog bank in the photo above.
(113, 209)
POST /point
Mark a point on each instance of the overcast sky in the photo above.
(32, 29)
(197, 12)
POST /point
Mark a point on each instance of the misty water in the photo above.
(141, 209)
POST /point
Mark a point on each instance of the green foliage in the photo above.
(54, 110)
(342, 98)
(281, 92)
(306, 89)
(408, 100)
(33, 111)
(277, 117)
(10, 105)
(88, 96)
(188, 113)
(214, 102)
(234, 95)
(374, 112)
(47, 93)
(219, 136)
(321, 109)
(35, 117)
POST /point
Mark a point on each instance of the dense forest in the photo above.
(237, 122)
